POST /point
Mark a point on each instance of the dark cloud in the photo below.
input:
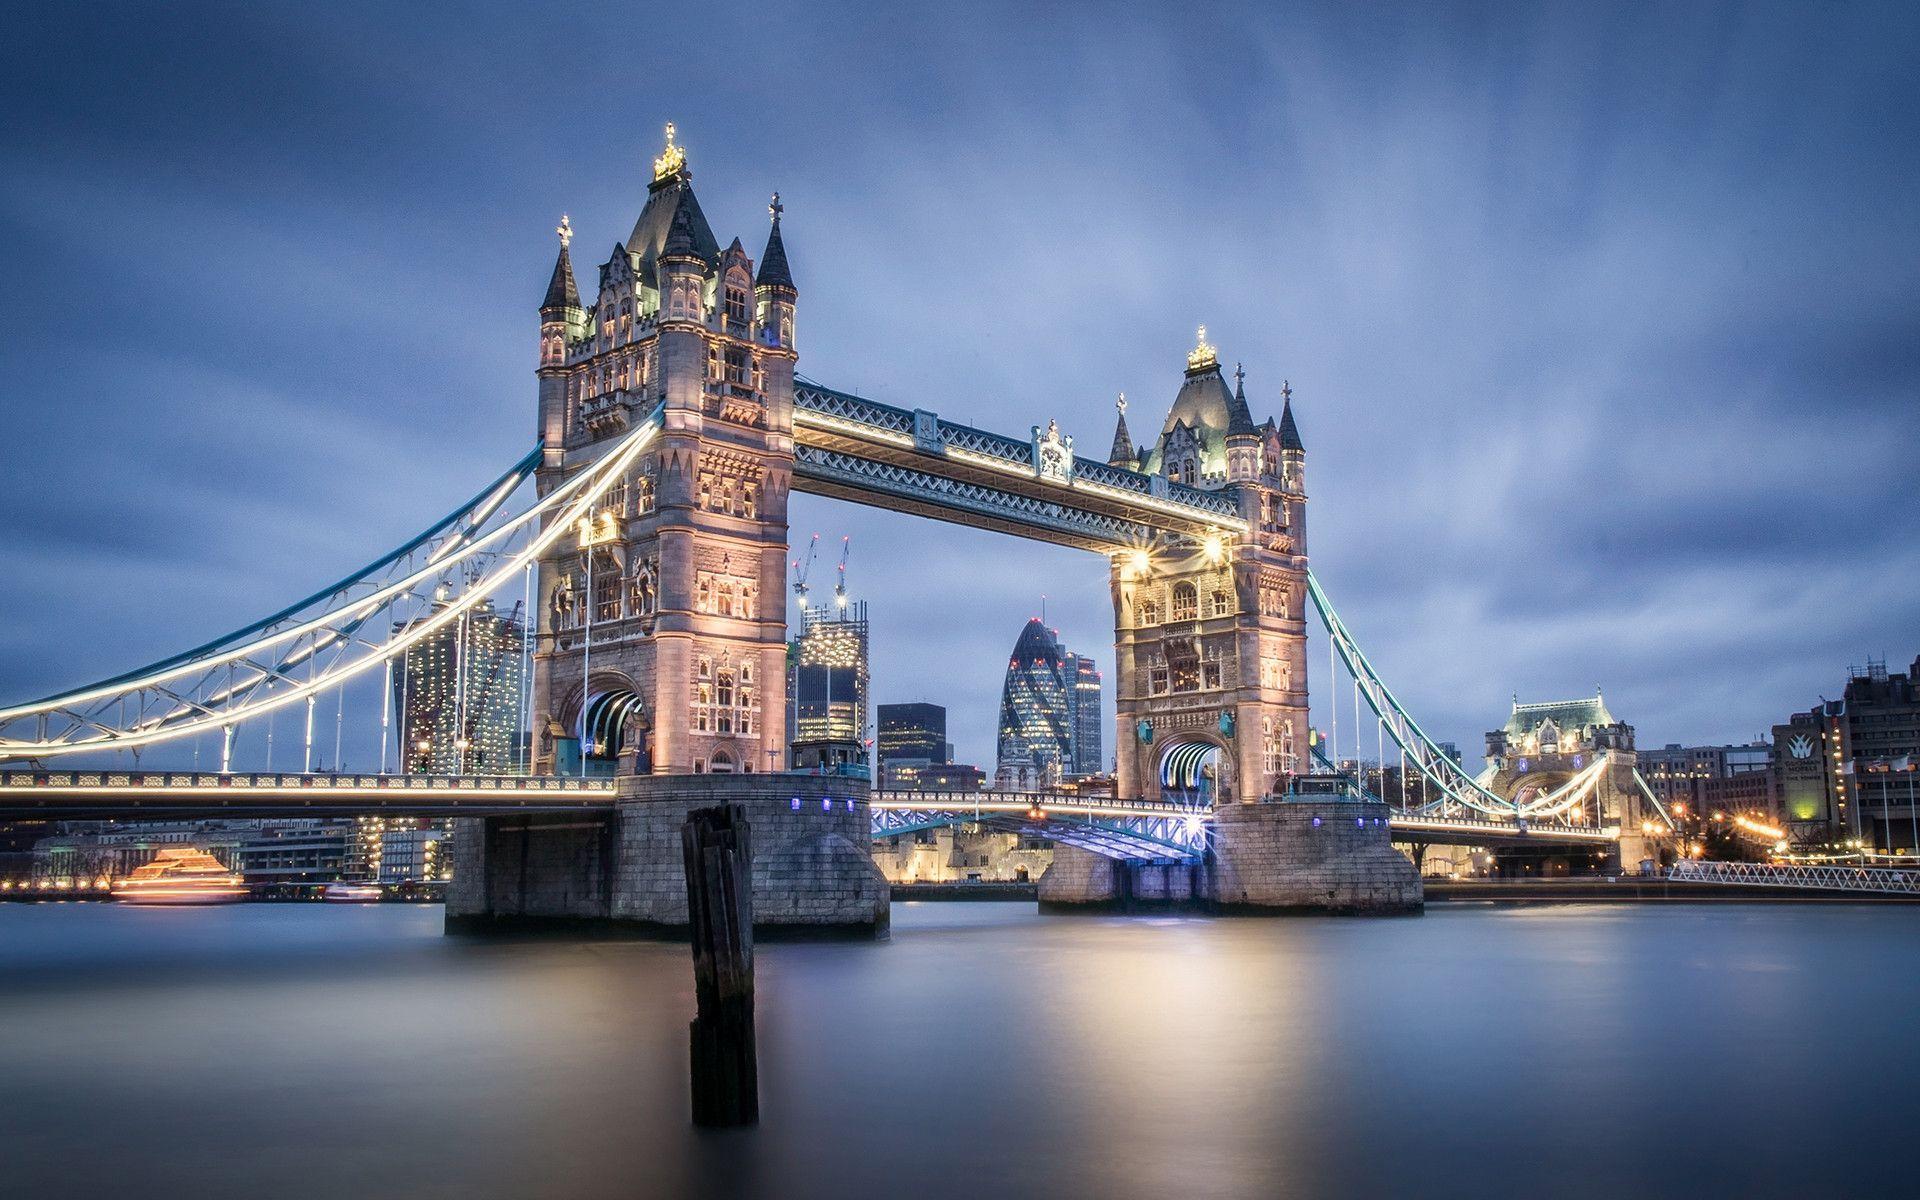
(1600, 319)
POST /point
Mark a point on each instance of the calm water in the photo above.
(282, 1050)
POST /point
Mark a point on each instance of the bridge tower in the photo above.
(1210, 641)
(662, 636)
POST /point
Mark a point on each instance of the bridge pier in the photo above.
(623, 867)
(1310, 856)
(1083, 881)
(1298, 856)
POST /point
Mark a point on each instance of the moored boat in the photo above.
(181, 875)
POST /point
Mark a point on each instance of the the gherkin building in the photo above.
(1036, 728)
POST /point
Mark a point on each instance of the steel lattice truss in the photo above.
(909, 484)
(356, 625)
(1133, 839)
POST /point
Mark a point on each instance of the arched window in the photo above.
(721, 763)
(739, 304)
(1221, 603)
(1149, 611)
(1186, 602)
(723, 705)
(703, 696)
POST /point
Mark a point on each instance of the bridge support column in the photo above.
(812, 870)
(1082, 881)
(1310, 856)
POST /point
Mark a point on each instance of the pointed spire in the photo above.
(1289, 432)
(1122, 454)
(773, 264)
(1239, 420)
(681, 237)
(561, 292)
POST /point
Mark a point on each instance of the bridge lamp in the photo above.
(1193, 824)
(1138, 563)
(1214, 547)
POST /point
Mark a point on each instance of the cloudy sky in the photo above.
(1602, 321)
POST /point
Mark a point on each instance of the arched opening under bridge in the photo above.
(608, 720)
(1193, 771)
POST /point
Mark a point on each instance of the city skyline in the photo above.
(1649, 439)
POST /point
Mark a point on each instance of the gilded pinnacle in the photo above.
(672, 160)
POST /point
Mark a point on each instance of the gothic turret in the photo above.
(1289, 432)
(1243, 436)
(561, 307)
(774, 293)
(1123, 453)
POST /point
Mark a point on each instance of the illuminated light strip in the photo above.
(439, 789)
(1426, 753)
(597, 480)
(359, 609)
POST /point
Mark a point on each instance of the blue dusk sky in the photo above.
(1601, 320)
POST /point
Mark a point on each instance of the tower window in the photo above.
(1186, 602)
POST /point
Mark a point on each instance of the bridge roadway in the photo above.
(1118, 828)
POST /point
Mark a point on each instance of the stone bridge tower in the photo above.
(1210, 641)
(662, 624)
(1544, 745)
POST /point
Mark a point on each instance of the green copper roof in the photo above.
(1566, 715)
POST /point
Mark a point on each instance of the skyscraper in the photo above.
(913, 731)
(828, 689)
(459, 697)
(1049, 713)
(1083, 706)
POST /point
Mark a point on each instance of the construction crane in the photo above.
(840, 586)
(801, 569)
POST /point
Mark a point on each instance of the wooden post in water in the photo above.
(719, 862)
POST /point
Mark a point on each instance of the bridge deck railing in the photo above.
(1892, 880)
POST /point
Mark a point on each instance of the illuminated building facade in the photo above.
(1708, 779)
(1849, 769)
(1083, 714)
(912, 731)
(828, 689)
(662, 634)
(1037, 708)
(460, 695)
(1210, 671)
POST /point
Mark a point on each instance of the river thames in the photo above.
(984, 1051)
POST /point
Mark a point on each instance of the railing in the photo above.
(1885, 880)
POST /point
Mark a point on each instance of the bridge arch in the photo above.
(1195, 769)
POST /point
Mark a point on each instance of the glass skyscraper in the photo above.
(1083, 706)
(459, 697)
(827, 689)
(916, 731)
(1049, 713)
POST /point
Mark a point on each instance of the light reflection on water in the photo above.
(985, 1051)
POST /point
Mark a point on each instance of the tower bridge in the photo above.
(646, 537)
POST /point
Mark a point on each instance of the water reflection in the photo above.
(985, 1051)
